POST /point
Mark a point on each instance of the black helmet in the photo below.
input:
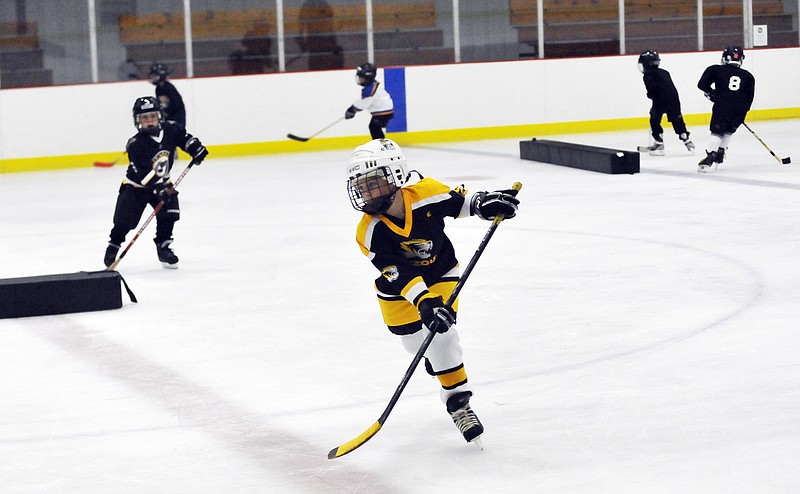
(160, 70)
(144, 105)
(367, 72)
(649, 60)
(733, 55)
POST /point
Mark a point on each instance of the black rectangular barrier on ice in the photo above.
(60, 294)
(596, 159)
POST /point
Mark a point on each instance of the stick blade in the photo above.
(786, 160)
(297, 138)
(354, 443)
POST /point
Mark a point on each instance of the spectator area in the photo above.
(591, 27)
(245, 41)
(21, 57)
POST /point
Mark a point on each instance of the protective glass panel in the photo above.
(579, 28)
(324, 34)
(134, 34)
(486, 32)
(775, 23)
(413, 32)
(669, 26)
(234, 37)
(40, 48)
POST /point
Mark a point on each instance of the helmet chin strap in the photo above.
(381, 204)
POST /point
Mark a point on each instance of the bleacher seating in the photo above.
(21, 58)
(591, 27)
(244, 41)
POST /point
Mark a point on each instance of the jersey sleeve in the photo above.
(367, 96)
(704, 84)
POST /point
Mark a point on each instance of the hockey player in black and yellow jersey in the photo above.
(402, 234)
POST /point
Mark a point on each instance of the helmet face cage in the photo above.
(160, 70)
(372, 192)
(366, 73)
(733, 55)
(144, 106)
(648, 60)
(376, 172)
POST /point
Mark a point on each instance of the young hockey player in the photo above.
(168, 95)
(374, 98)
(731, 88)
(662, 91)
(402, 233)
(151, 152)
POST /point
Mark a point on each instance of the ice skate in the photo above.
(711, 160)
(111, 254)
(168, 258)
(464, 418)
(656, 149)
(687, 142)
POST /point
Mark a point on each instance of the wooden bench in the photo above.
(244, 41)
(523, 12)
(18, 36)
(21, 57)
(586, 27)
(165, 27)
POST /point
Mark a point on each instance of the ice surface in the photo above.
(624, 334)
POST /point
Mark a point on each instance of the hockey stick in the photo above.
(305, 139)
(156, 209)
(784, 161)
(109, 164)
(374, 428)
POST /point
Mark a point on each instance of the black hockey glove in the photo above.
(196, 150)
(164, 191)
(435, 315)
(350, 112)
(487, 205)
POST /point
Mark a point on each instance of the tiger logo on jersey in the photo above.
(417, 248)
(161, 163)
(390, 273)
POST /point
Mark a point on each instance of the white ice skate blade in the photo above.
(167, 265)
(477, 441)
(706, 169)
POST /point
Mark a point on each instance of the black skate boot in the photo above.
(464, 418)
(710, 160)
(168, 258)
(720, 155)
(111, 254)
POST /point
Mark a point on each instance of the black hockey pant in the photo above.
(131, 202)
(378, 123)
(673, 115)
(725, 120)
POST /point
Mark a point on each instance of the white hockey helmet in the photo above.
(376, 171)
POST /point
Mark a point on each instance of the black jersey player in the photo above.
(147, 180)
(402, 234)
(168, 95)
(732, 89)
(662, 91)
